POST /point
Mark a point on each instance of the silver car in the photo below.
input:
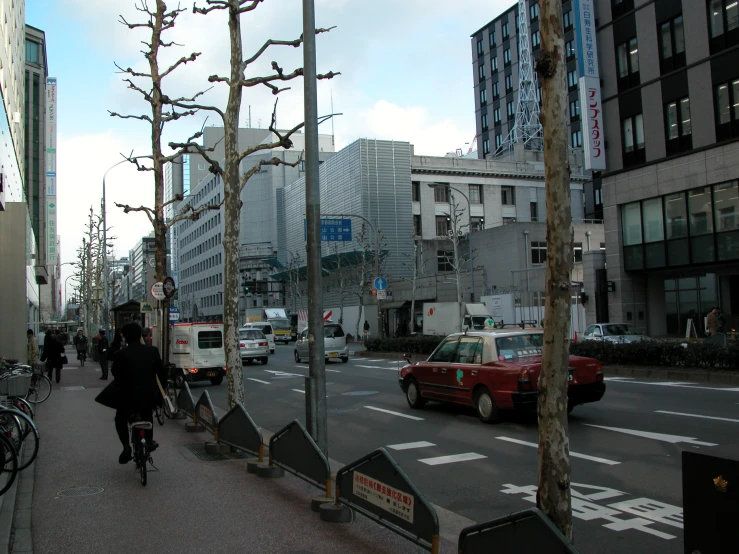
(335, 343)
(614, 332)
(253, 346)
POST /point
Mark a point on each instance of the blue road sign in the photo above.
(333, 230)
(380, 283)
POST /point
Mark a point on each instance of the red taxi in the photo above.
(492, 371)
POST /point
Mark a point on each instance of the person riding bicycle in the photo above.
(135, 369)
(80, 344)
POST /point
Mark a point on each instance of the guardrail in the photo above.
(238, 430)
(376, 487)
(205, 414)
(185, 401)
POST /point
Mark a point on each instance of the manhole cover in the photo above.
(72, 388)
(360, 392)
(341, 410)
(80, 491)
(202, 454)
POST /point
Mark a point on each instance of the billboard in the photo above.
(51, 184)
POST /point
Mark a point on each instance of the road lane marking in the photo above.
(677, 384)
(259, 380)
(618, 378)
(334, 370)
(439, 460)
(409, 445)
(300, 391)
(673, 439)
(394, 413)
(698, 415)
(573, 454)
(283, 373)
(377, 367)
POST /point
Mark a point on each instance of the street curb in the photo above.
(7, 513)
(694, 375)
(15, 513)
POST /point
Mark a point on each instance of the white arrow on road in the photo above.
(674, 439)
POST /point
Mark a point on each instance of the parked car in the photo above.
(614, 332)
(253, 346)
(266, 328)
(335, 343)
(493, 371)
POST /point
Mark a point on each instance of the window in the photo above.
(445, 260)
(486, 146)
(533, 206)
(481, 72)
(492, 38)
(201, 167)
(494, 64)
(442, 225)
(33, 52)
(619, 7)
(577, 252)
(495, 91)
(570, 50)
(727, 110)
(627, 64)
(535, 40)
(533, 12)
(469, 351)
(416, 190)
(483, 97)
(508, 196)
(496, 116)
(506, 57)
(726, 205)
(538, 252)
(574, 110)
(567, 20)
(508, 84)
(633, 140)
(417, 225)
(511, 110)
(475, 194)
(724, 16)
(484, 122)
(676, 216)
(678, 126)
(210, 339)
(479, 47)
(445, 352)
(441, 193)
(572, 80)
(477, 224)
(504, 30)
(672, 45)
(498, 141)
(699, 204)
(576, 139)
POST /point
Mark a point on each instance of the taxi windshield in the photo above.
(519, 346)
(280, 324)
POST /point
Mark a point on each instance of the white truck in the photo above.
(442, 318)
(277, 318)
(197, 352)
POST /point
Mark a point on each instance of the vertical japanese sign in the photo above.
(50, 148)
(591, 115)
(587, 47)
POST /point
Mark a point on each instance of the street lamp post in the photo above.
(66, 298)
(105, 251)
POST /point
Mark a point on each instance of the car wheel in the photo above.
(297, 356)
(345, 359)
(485, 406)
(216, 380)
(265, 360)
(413, 394)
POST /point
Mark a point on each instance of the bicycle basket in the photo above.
(16, 385)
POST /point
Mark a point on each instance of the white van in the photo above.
(197, 352)
(335, 343)
(266, 328)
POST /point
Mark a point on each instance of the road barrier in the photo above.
(710, 503)
(526, 532)
(238, 430)
(378, 488)
(293, 449)
(185, 401)
(205, 414)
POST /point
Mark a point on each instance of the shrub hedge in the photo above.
(666, 353)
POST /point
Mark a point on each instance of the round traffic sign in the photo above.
(380, 283)
(168, 286)
(157, 291)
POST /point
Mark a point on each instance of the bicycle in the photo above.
(40, 387)
(140, 445)
(8, 463)
(82, 355)
(17, 427)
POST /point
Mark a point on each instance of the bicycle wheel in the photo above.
(40, 389)
(30, 437)
(11, 427)
(22, 405)
(159, 413)
(9, 461)
(142, 469)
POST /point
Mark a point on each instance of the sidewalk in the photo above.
(190, 505)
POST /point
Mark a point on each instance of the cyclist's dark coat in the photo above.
(134, 368)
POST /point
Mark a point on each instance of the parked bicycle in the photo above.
(40, 387)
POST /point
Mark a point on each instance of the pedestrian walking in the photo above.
(53, 352)
(721, 321)
(103, 354)
(712, 322)
(31, 349)
(366, 328)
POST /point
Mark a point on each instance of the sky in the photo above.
(405, 75)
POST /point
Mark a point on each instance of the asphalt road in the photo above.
(627, 493)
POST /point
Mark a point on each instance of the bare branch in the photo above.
(194, 213)
(213, 5)
(148, 211)
(248, 5)
(294, 43)
(141, 117)
(191, 58)
(131, 72)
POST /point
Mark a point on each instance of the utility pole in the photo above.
(316, 393)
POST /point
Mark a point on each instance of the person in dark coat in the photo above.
(135, 368)
(103, 354)
(52, 355)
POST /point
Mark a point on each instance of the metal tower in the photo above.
(527, 127)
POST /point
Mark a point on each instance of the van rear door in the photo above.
(208, 346)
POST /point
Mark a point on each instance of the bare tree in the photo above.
(293, 275)
(416, 262)
(360, 279)
(457, 261)
(342, 277)
(554, 495)
(230, 172)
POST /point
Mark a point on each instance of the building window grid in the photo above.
(672, 44)
(486, 146)
(492, 38)
(723, 16)
(678, 128)
(567, 21)
(495, 91)
(576, 139)
(481, 72)
(570, 50)
(627, 64)
(534, 12)
(572, 80)
(494, 64)
(507, 57)
(484, 122)
(508, 84)
(508, 196)
(575, 110)
(475, 194)
(535, 40)
(480, 50)
(727, 110)
(483, 97)
(504, 30)
(538, 252)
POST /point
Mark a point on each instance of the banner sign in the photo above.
(591, 114)
(51, 183)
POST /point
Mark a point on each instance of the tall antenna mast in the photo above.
(332, 120)
(249, 116)
(527, 127)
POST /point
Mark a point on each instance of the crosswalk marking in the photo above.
(394, 413)
(259, 381)
(698, 415)
(573, 454)
(451, 459)
(410, 445)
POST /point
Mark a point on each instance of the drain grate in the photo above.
(360, 392)
(202, 454)
(341, 410)
(72, 388)
(80, 491)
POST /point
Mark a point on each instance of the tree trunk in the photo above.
(231, 212)
(553, 496)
